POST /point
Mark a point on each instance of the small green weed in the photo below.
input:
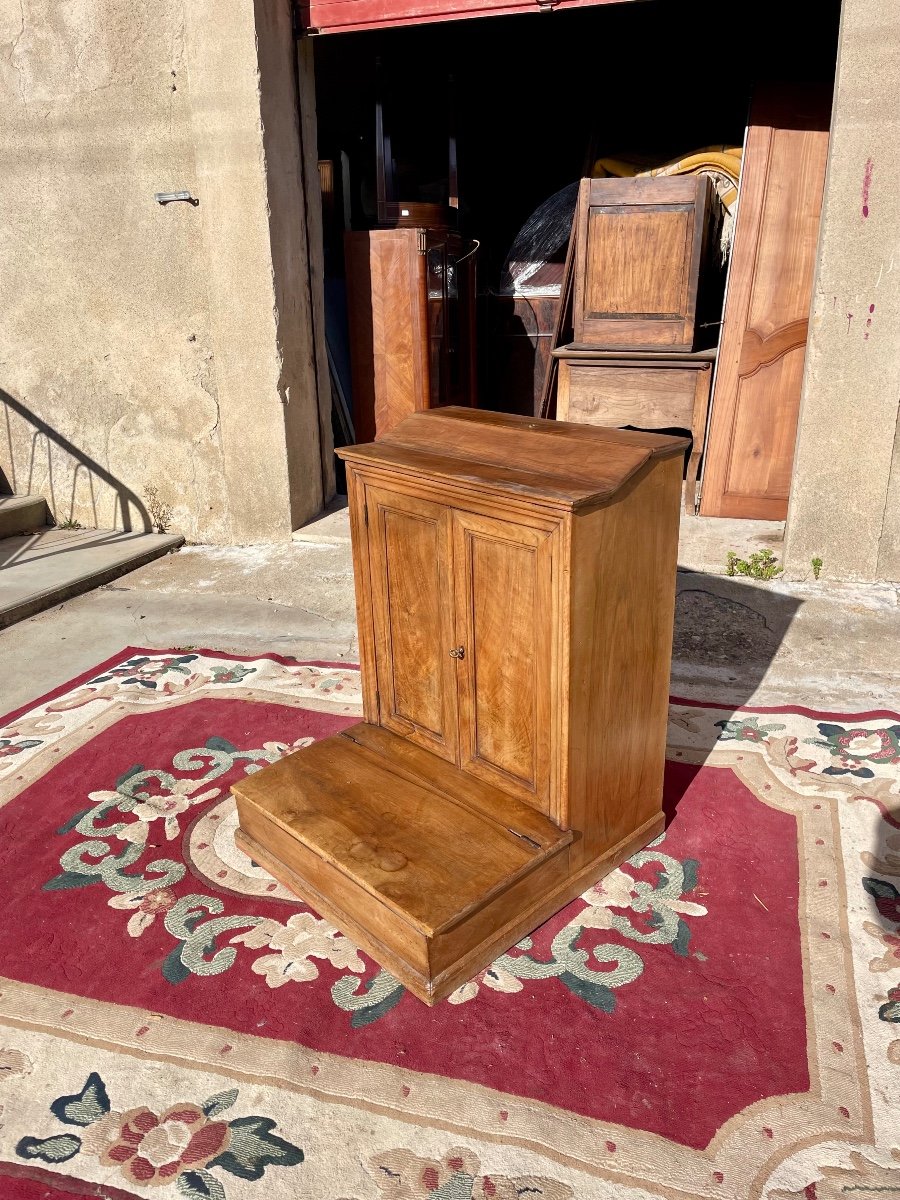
(817, 567)
(762, 564)
(69, 523)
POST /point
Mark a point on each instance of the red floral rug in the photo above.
(718, 1018)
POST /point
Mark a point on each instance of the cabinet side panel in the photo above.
(562, 390)
(624, 559)
(397, 320)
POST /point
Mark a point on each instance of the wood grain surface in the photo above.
(663, 394)
(412, 609)
(502, 582)
(406, 353)
(642, 246)
(515, 657)
(557, 462)
(757, 394)
(386, 309)
(410, 847)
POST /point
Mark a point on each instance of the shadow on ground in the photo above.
(727, 636)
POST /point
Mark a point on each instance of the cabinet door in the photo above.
(410, 547)
(756, 405)
(502, 573)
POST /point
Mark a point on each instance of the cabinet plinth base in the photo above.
(432, 873)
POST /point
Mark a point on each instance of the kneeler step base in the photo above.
(432, 877)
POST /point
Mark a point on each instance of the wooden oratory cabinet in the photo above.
(515, 592)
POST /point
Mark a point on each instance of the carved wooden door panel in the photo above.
(502, 574)
(410, 563)
(750, 449)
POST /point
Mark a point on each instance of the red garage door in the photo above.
(342, 16)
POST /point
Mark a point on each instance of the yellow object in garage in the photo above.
(721, 163)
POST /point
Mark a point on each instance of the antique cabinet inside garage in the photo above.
(411, 311)
(515, 593)
(648, 276)
(533, 114)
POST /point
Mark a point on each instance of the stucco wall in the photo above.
(845, 495)
(142, 344)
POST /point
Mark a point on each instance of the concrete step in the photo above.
(331, 527)
(21, 514)
(47, 566)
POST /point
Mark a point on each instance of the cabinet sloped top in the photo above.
(555, 462)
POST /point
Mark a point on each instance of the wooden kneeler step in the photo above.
(398, 849)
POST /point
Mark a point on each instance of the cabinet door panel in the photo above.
(503, 599)
(640, 244)
(410, 565)
(756, 404)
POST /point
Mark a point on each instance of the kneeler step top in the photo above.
(398, 824)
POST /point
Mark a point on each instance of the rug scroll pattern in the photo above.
(175, 1023)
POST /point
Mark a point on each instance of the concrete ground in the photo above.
(46, 566)
(827, 646)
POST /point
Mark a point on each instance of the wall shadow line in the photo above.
(126, 499)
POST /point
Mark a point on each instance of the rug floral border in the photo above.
(747, 1153)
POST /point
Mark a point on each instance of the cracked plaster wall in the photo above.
(845, 492)
(147, 338)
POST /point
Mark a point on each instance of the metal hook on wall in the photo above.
(171, 197)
